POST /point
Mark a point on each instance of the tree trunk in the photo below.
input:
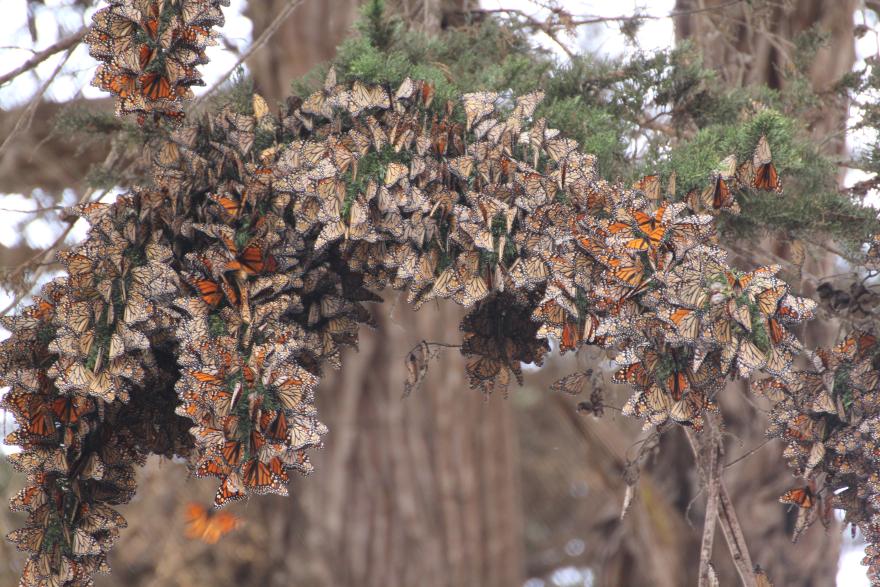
(420, 491)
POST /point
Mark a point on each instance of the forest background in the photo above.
(523, 490)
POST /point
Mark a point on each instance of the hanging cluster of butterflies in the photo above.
(150, 50)
(198, 314)
(828, 414)
(84, 390)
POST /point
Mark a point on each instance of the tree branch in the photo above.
(712, 474)
(557, 20)
(730, 527)
(26, 116)
(41, 56)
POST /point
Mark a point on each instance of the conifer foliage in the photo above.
(196, 318)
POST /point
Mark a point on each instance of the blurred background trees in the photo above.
(448, 488)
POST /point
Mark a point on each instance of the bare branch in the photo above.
(42, 210)
(730, 527)
(556, 21)
(40, 259)
(712, 474)
(41, 56)
(25, 119)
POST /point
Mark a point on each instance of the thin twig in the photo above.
(41, 56)
(601, 19)
(673, 14)
(34, 210)
(255, 46)
(39, 260)
(25, 119)
(748, 454)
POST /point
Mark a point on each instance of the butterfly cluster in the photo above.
(197, 316)
(718, 196)
(84, 389)
(828, 414)
(150, 50)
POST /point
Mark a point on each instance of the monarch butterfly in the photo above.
(629, 272)
(231, 489)
(69, 409)
(477, 106)
(156, 86)
(294, 386)
(572, 384)
(209, 291)
(364, 97)
(119, 82)
(28, 539)
(772, 389)
(685, 320)
(768, 300)
(206, 525)
(795, 309)
(686, 412)
(473, 291)
(571, 336)
(257, 477)
(408, 89)
(254, 261)
(462, 166)
(427, 93)
(559, 149)
(799, 496)
(526, 105)
(718, 196)
(677, 384)
(634, 374)
(766, 177)
(650, 185)
(740, 313)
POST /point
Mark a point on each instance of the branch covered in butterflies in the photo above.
(197, 317)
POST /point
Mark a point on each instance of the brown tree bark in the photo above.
(308, 37)
(421, 491)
